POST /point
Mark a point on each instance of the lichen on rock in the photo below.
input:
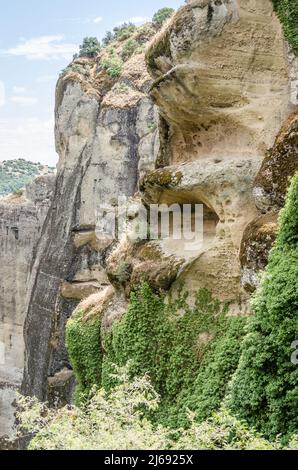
(279, 165)
(258, 239)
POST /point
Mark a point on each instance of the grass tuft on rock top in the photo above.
(264, 390)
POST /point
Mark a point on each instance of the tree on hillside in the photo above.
(162, 15)
(90, 47)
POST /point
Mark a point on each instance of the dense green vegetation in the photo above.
(83, 344)
(15, 174)
(287, 11)
(265, 387)
(189, 357)
(125, 31)
(199, 358)
(113, 64)
(118, 421)
(181, 350)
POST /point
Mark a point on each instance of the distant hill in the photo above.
(15, 174)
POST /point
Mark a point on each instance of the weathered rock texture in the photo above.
(21, 221)
(280, 164)
(257, 241)
(270, 189)
(224, 83)
(104, 138)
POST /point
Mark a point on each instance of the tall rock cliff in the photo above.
(105, 136)
(21, 221)
(189, 122)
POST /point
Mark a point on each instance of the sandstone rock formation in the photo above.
(104, 137)
(21, 222)
(270, 189)
(279, 165)
(257, 241)
(195, 131)
(222, 96)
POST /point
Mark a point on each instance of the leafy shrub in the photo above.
(265, 387)
(108, 421)
(162, 15)
(73, 68)
(121, 88)
(152, 126)
(90, 47)
(287, 11)
(117, 421)
(112, 65)
(222, 432)
(129, 49)
(124, 31)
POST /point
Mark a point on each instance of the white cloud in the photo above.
(2, 94)
(98, 19)
(137, 20)
(46, 78)
(43, 48)
(19, 90)
(77, 19)
(24, 100)
(31, 138)
(82, 20)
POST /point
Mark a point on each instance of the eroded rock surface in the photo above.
(21, 221)
(223, 96)
(280, 164)
(258, 239)
(221, 83)
(104, 139)
(270, 189)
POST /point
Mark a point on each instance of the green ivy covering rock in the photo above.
(190, 353)
(83, 344)
(265, 387)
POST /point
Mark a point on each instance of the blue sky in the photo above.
(37, 41)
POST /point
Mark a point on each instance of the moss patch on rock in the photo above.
(164, 178)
